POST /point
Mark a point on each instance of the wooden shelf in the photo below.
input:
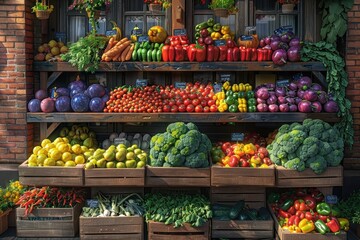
(184, 66)
(280, 117)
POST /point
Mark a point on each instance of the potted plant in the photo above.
(92, 7)
(287, 6)
(42, 9)
(222, 8)
(157, 5)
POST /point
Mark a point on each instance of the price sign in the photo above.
(217, 87)
(136, 32)
(60, 36)
(225, 77)
(143, 39)
(237, 137)
(219, 42)
(93, 203)
(110, 32)
(181, 85)
(180, 32)
(246, 38)
(282, 83)
(331, 199)
(141, 82)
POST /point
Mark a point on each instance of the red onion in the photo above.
(316, 87)
(284, 107)
(275, 45)
(297, 100)
(291, 93)
(293, 54)
(280, 91)
(295, 42)
(259, 100)
(267, 40)
(282, 99)
(275, 38)
(272, 93)
(310, 95)
(304, 83)
(279, 57)
(262, 107)
(322, 97)
(285, 37)
(273, 108)
(300, 94)
(304, 106)
(293, 86)
(271, 100)
(331, 107)
(262, 43)
(263, 93)
(316, 107)
(290, 100)
(293, 108)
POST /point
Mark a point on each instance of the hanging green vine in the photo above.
(337, 80)
(334, 19)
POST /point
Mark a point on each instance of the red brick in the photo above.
(8, 44)
(7, 8)
(16, 14)
(20, 8)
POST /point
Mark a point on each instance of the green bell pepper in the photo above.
(321, 227)
(233, 108)
(251, 101)
(217, 27)
(250, 94)
(210, 22)
(335, 211)
(323, 209)
(287, 204)
(216, 154)
(251, 108)
(273, 197)
(230, 100)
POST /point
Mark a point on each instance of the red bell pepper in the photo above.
(248, 54)
(184, 40)
(171, 53)
(174, 40)
(191, 53)
(210, 53)
(216, 53)
(300, 214)
(236, 54)
(179, 54)
(260, 54)
(234, 161)
(300, 205)
(310, 202)
(165, 53)
(229, 55)
(334, 225)
(242, 54)
(321, 217)
(292, 210)
(283, 214)
(223, 53)
(293, 220)
(310, 216)
(185, 52)
(253, 54)
(200, 53)
(268, 54)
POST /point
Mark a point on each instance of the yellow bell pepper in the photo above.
(306, 226)
(235, 87)
(241, 87)
(222, 106)
(225, 29)
(264, 166)
(344, 224)
(249, 149)
(226, 85)
(239, 149)
(225, 160)
(215, 35)
(226, 36)
(248, 87)
(255, 159)
(242, 108)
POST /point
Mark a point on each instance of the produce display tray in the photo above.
(160, 231)
(333, 176)
(52, 176)
(49, 222)
(177, 176)
(284, 234)
(242, 176)
(117, 228)
(4, 224)
(114, 177)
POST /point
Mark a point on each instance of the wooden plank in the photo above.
(114, 177)
(351, 163)
(4, 224)
(257, 117)
(333, 176)
(253, 196)
(159, 231)
(177, 176)
(111, 225)
(242, 225)
(221, 176)
(113, 237)
(183, 66)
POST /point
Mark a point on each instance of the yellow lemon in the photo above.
(36, 149)
(84, 149)
(79, 159)
(32, 157)
(56, 154)
(40, 159)
(70, 164)
(58, 140)
(73, 156)
(66, 140)
(63, 147)
(76, 149)
(42, 151)
(59, 163)
(49, 162)
(49, 146)
(45, 141)
(66, 156)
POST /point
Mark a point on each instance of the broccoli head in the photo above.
(334, 158)
(177, 129)
(191, 126)
(162, 141)
(197, 160)
(174, 158)
(325, 148)
(156, 158)
(283, 129)
(318, 164)
(205, 143)
(188, 142)
(295, 164)
(309, 148)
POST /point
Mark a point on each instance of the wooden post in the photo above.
(178, 14)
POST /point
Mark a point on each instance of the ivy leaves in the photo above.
(337, 80)
(334, 19)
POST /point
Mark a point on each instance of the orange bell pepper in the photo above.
(249, 149)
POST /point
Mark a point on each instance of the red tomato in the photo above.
(211, 102)
(206, 109)
(192, 96)
(213, 108)
(174, 108)
(166, 108)
(199, 108)
(190, 108)
(172, 102)
(182, 108)
(187, 102)
(179, 102)
(195, 101)
(263, 151)
(203, 103)
(267, 161)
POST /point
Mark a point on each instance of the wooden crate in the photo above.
(116, 228)
(49, 222)
(351, 163)
(114, 177)
(4, 224)
(238, 176)
(284, 234)
(160, 231)
(254, 197)
(12, 218)
(177, 176)
(333, 176)
(52, 176)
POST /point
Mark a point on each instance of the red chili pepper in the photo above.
(242, 54)
(191, 53)
(31, 201)
(200, 53)
(223, 53)
(236, 54)
(253, 54)
(179, 54)
(171, 53)
(210, 53)
(248, 54)
(216, 53)
(334, 225)
(283, 214)
(229, 55)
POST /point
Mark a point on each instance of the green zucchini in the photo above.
(235, 210)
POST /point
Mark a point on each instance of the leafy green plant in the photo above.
(337, 80)
(85, 53)
(350, 207)
(228, 4)
(334, 19)
(42, 6)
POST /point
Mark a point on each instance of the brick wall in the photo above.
(16, 79)
(353, 68)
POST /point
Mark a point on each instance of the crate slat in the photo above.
(239, 176)
(113, 237)
(4, 224)
(158, 230)
(177, 176)
(52, 176)
(333, 176)
(253, 196)
(114, 177)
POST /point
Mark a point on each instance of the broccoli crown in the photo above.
(334, 158)
(197, 160)
(318, 164)
(283, 129)
(295, 164)
(177, 129)
(309, 148)
(191, 126)
(174, 158)
(205, 142)
(156, 158)
(188, 142)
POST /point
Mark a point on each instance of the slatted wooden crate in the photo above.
(52, 176)
(114, 177)
(333, 176)
(284, 234)
(116, 228)
(48, 222)
(238, 176)
(12, 218)
(235, 229)
(160, 231)
(4, 224)
(177, 176)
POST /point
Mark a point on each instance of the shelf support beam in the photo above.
(46, 130)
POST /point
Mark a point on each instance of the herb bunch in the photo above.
(350, 208)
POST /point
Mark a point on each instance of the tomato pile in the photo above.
(195, 97)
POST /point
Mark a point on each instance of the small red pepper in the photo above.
(260, 53)
(184, 40)
(334, 225)
(253, 54)
(179, 54)
(185, 52)
(200, 53)
(191, 53)
(229, 55)
(210, 53)
(216, 53)
(310, 202)
(284, 214)
(268, 54)
(236, 54)
(171, 53)
(165, 54)
(292, 210)
(300, 214)
(242, 54)
(322, 217)
(223, 53)
(248, 54)
(310, 216)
